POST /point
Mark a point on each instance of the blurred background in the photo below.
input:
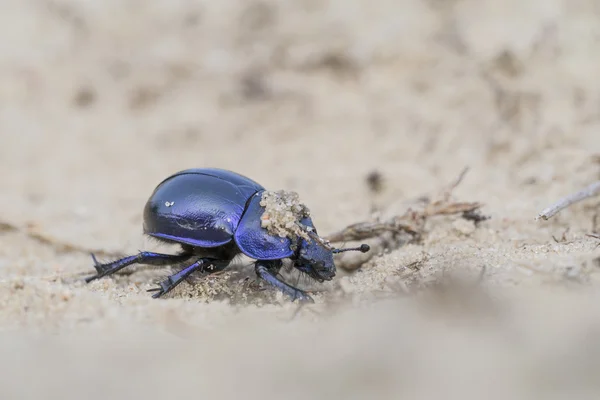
(101, 100)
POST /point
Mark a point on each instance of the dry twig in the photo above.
(590, 191)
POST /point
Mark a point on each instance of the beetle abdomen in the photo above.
(195, 208)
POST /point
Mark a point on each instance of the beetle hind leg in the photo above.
(143, 257)
(267, 271)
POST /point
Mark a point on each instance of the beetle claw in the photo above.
(162, 288)
(159, 293)
(100, 268)
(96, 263)
(302, 297)
(92, 278)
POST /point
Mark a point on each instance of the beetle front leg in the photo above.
(267, 271)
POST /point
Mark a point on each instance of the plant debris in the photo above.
(412, 223)
(475, 216)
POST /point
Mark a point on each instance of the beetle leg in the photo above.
(172, 281)
(143, 257)
(267, 270)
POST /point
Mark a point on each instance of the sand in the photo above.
(100, 101)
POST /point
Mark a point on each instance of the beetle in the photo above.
(215, 215)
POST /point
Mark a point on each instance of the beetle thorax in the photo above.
(283, 213)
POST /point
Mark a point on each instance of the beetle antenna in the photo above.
(363, 249)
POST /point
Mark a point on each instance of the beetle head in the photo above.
(315, 257)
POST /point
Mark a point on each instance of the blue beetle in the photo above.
(215, 215)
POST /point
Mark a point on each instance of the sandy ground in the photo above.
(99, 101)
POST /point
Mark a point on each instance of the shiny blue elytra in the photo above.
(215, 215)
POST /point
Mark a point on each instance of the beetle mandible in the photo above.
(215, 215)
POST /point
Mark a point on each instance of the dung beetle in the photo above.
(215, 215)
